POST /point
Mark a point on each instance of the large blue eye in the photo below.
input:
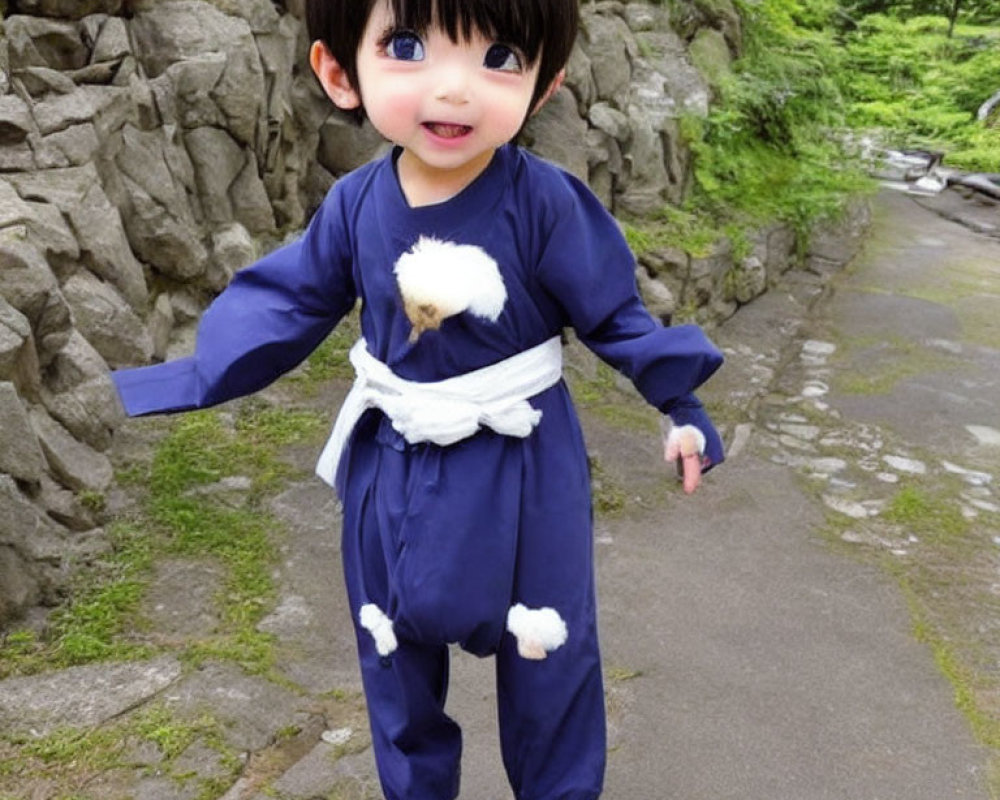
(502, 57)
(405, 46)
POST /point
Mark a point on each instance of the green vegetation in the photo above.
(329, 361)
(889, 362)
(603, 394)
(813, 77)
(92, 625)
(186, 510)
(926, 515)
(919, 87)
(693, 233)
(609, 498)
(619, 674)
(101, 618)
(74, 757)
(947, 579)
(765, 152)
(771, 148)
(974, 11)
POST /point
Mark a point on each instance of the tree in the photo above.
(982, 11)
(956, 6)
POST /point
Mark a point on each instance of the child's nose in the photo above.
(452, 84)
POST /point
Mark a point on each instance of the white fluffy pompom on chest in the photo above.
(439, 279)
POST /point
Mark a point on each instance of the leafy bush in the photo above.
(908, 78)
(768, 149)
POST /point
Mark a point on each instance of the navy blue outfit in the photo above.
(447, 539)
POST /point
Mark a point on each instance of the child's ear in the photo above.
(332, 77)
(557, 81)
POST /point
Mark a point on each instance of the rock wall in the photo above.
(149, 148)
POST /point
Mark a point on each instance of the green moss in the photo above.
(886, 361)
(97, 621)
(329, 361)
(65, 759)
(91, 750)
(985, 727)
(617, 674)
(171, 735)
(92, 625)
(600, 395)
(93, 501)
(947, 581)
(709, 53)
(927, 514)
(879, 382)
(696, 233)
(970, 686)
(202, 450)
(627, 417)
(608, 497)
(969, 289)
(647, 48)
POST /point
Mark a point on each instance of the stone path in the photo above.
(757, 642)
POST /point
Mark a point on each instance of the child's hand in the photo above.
(685, 446)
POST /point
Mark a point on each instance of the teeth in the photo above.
(447, 130)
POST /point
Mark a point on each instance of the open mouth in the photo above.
(447, 130)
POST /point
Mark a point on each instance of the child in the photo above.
(458, 455)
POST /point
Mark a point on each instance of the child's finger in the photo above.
(692, 472)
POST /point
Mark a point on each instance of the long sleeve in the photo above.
(269, 318)
(589, 270)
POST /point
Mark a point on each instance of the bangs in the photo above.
(543, 31)
(518, 23)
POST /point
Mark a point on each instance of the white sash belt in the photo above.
(445, 412)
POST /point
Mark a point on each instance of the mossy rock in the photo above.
(710, 55)
(722, 15)
(717, 9)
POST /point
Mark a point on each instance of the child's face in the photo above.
(449, 105)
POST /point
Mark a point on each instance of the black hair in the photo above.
(542, 30)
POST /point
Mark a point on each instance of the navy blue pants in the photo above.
(443, 574)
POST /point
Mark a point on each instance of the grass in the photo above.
(92, 624)
(975, 689)
(596, 388)
(695, 234)
(945, 566)
(101, 618)
(609, 497)
(203, 450)
(929, 516)
(946, 579)
(177, 516)
(73, 757)
(617, 674)
(329, 361)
